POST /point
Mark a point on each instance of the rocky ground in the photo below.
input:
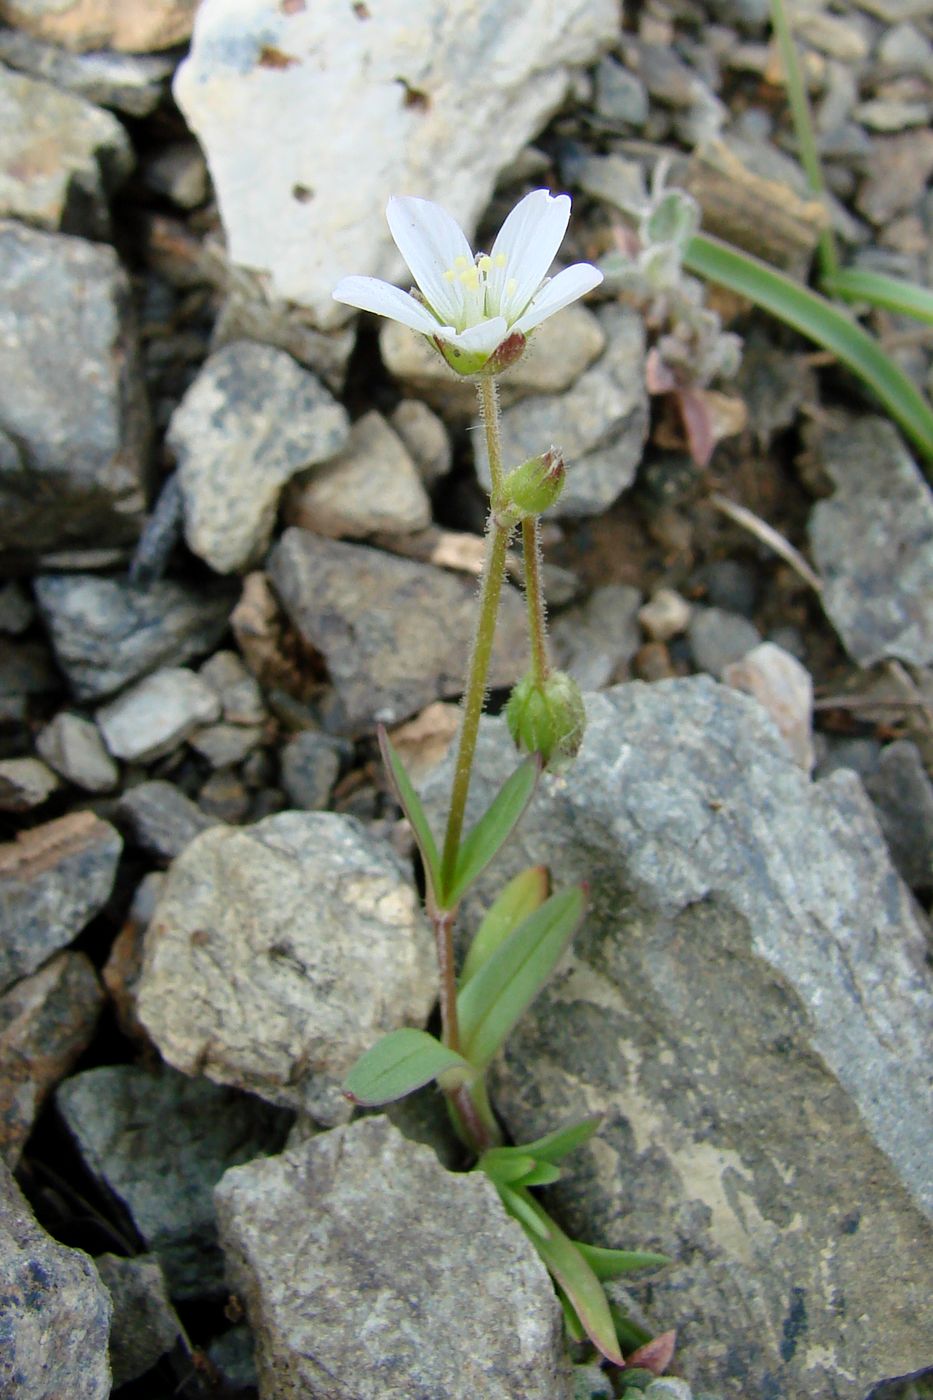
(238, 530)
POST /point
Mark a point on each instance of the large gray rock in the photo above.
(159, 1142)
(54, 1311)
(249, 422)
(600, 423)
(395, 634)
(361, 1234)
(60, 157)
(71, 395)
(144, 1325)
(873, 545)
(277, 954)
(53, 880)
(131, 83)
(107, 632)
(749, 1005)
(404, 86)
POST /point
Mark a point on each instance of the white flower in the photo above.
(478, 310)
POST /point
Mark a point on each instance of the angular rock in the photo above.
(46, 1020)
(60, 157)
(53, 880)
(235, 687)
(159, 1142)
(785, 689)
(54, 1311)
(161, 819)
(135, 26)
(407, 88)
(872, 543)
(718, 637)
(157, 714)
(249, 422)
(898, 171)
(279, 952)
(144, 1324)
(395, 634)
(372, 485)
(749, 1004)
(903, 796)
(107, 632)
(600, 424)
(559, 353)
(130, 83)
(226, 745)
(73, 747)
(310, 764)
(71, 395)
(25, 783)
(425, 436)
(596, 642)
(361, 1233)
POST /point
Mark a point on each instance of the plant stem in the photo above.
(497, 539)
(803, 126)
(488, 393)
(534, 596)
(442, 921)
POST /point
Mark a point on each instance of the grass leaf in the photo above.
(890, 293)
(610, 1263)
(556, 1145)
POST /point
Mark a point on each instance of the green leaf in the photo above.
(410, 804)
(891, 293)
(505, 1164)
(570, 1269)
(557, 1145)
(610, 1263)
(493, 829)
(541, 1174)
(508, 982)
(823, 323)
(575, 1328)
(401, 1061)
(521, 897)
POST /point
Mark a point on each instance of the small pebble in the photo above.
(665, 615)
(74, 748)
(310, 764)
(653, 662)
(718, 637)
(157, 714)
(224, 797)
(25, 783)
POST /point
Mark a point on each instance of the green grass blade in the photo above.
(521, 897)
(506, 985)
(890, 293)
(610, 1263)
(410, 804)
(484, 840)
(400, 1062)
(570, 1269)
(821, 322)
(556, 1145)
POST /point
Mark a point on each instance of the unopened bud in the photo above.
(547, 717)
(535, 486)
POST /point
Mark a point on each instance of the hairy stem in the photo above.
(442, 921)
(534, 597)
(488, 393)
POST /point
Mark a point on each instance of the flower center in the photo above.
(481, 287)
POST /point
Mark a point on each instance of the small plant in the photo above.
(479, 311)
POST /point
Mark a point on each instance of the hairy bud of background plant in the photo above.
(547, 717)
(535, 486)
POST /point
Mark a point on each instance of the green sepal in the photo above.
(499, 993)
(571, 1270)
(611, 1263)
(410, 803)
(400, 1062)
(521, 897)
(484, 840)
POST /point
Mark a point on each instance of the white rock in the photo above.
(311, 116)
(779, 683)
(665, 615)
(154, 716)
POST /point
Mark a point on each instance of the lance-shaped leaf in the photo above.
(564, 1260)
(486, 839)
(410, 803)
(610, 1263)
(521, 897)
(401, 1061)
(505, 1165)
(554, 1146)
(508, 982)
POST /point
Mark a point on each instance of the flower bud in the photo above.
(547, 717)
(534, 486)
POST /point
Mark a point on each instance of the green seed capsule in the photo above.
(547, 717)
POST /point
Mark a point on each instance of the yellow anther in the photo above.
(460, 262)
(470, 278)
(511, 287)
(484, 263)
(501, 260)
(449, 275)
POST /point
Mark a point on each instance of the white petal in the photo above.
(371, 294)
(430, 241)
(530, 238)
(569, 285)
(487, 336)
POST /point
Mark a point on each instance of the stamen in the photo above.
(484, 263)
(460, 262)
(501, 260)
(470, 278)
(449, 275)
(511, 287)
